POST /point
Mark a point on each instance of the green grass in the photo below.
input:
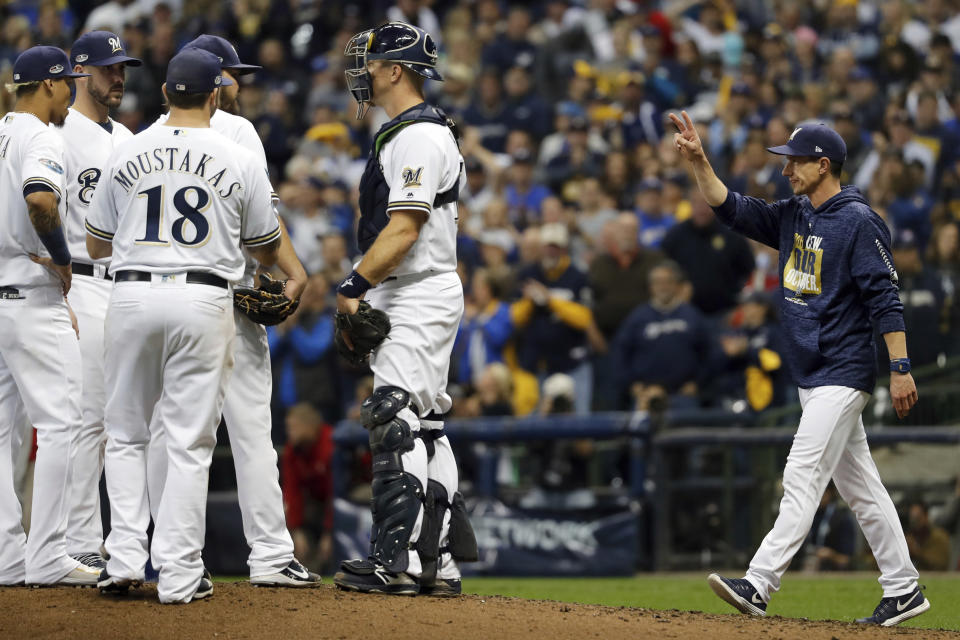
(817, 597)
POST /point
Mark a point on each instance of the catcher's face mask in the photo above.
(358, 77)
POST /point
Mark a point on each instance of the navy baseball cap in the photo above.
(194, 71)
(39, 63)
(813, 140)
(222, 49)
(100, 49)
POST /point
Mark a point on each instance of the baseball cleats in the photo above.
(205, 588)
(112, 585)
(893, 611)
(82, 576)
(738, 592)
(440, 588)
(293, 575)
(367, 576)
(92, 560)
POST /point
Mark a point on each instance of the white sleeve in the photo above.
(101, 219)
(43, 163)
(260, 224)
(413, 169)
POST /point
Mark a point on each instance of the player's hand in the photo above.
(350, 306)
(64, 271)
(294, 288)
(903, 393)
(687, 140)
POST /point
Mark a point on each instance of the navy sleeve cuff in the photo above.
(890, 323)
(728, 208)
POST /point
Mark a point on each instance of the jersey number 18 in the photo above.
(192, 213)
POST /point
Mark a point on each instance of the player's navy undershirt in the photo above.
(107, 126)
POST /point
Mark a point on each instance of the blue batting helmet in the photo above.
(398, 42)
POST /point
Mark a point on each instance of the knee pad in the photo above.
(428, 545)
(397, 498)
(390, 436)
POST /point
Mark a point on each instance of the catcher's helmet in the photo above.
(399, 42)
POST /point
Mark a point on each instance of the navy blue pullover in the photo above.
(836, 278)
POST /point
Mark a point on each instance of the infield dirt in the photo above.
(238, 610)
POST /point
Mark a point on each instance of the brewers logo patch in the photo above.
(411, 177)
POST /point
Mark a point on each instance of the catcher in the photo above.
(408, 233)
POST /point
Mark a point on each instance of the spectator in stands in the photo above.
(716, 260)
(832, 540)
(525, 110)
(923, 300)
(576, 160)
(493, 392)
(943, 257)
(553, 316)
(485, 330)
(653, 217)
(488, 112)
(523, 194)
(595, 208)
(664, 343)
(305, 364)
(478, 192)
(912, 202)
(949, 520)
(752, 354)
(929, 544)
(308, 484)
(511, 48)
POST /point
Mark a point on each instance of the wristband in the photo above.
(353, 286)
(56, 245)
(900, 365)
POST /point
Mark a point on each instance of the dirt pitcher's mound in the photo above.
(238, 610)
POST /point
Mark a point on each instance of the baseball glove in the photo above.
(266, 304)
(365, 329)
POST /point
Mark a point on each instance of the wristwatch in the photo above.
(900, 365)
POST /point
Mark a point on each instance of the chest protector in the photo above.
(374, 190)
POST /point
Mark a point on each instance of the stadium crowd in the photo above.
(597, 278)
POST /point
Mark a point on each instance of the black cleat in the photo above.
(293, 575)
(440, 588)
(115, 586)
(739, 593)
(367, 576)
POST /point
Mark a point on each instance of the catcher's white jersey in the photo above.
(87, 145)
(241, 131)
(30, 155)
(419, 162)
(182, 199)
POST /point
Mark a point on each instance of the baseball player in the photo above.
(89, 136)
(407, 231)
(172, 208)
(838, 282)
(246, 408)
(39, 353)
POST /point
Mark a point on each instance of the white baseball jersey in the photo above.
(182, 199)
(30, 154)
(86, 147)
(241, 131)
(419, 162)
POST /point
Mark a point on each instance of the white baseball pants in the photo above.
(89, 298)
(246, 411)
(169, 350)
(831, 442)
(424, 313)
(39, 374)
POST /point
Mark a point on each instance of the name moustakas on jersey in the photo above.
(180, 161)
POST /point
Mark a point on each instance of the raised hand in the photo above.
(687, 139)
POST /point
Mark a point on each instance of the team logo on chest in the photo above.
(411, 177)
(801, 274)
(88, 180)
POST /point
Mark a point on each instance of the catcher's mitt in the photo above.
(265, 305)
(366, 329)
